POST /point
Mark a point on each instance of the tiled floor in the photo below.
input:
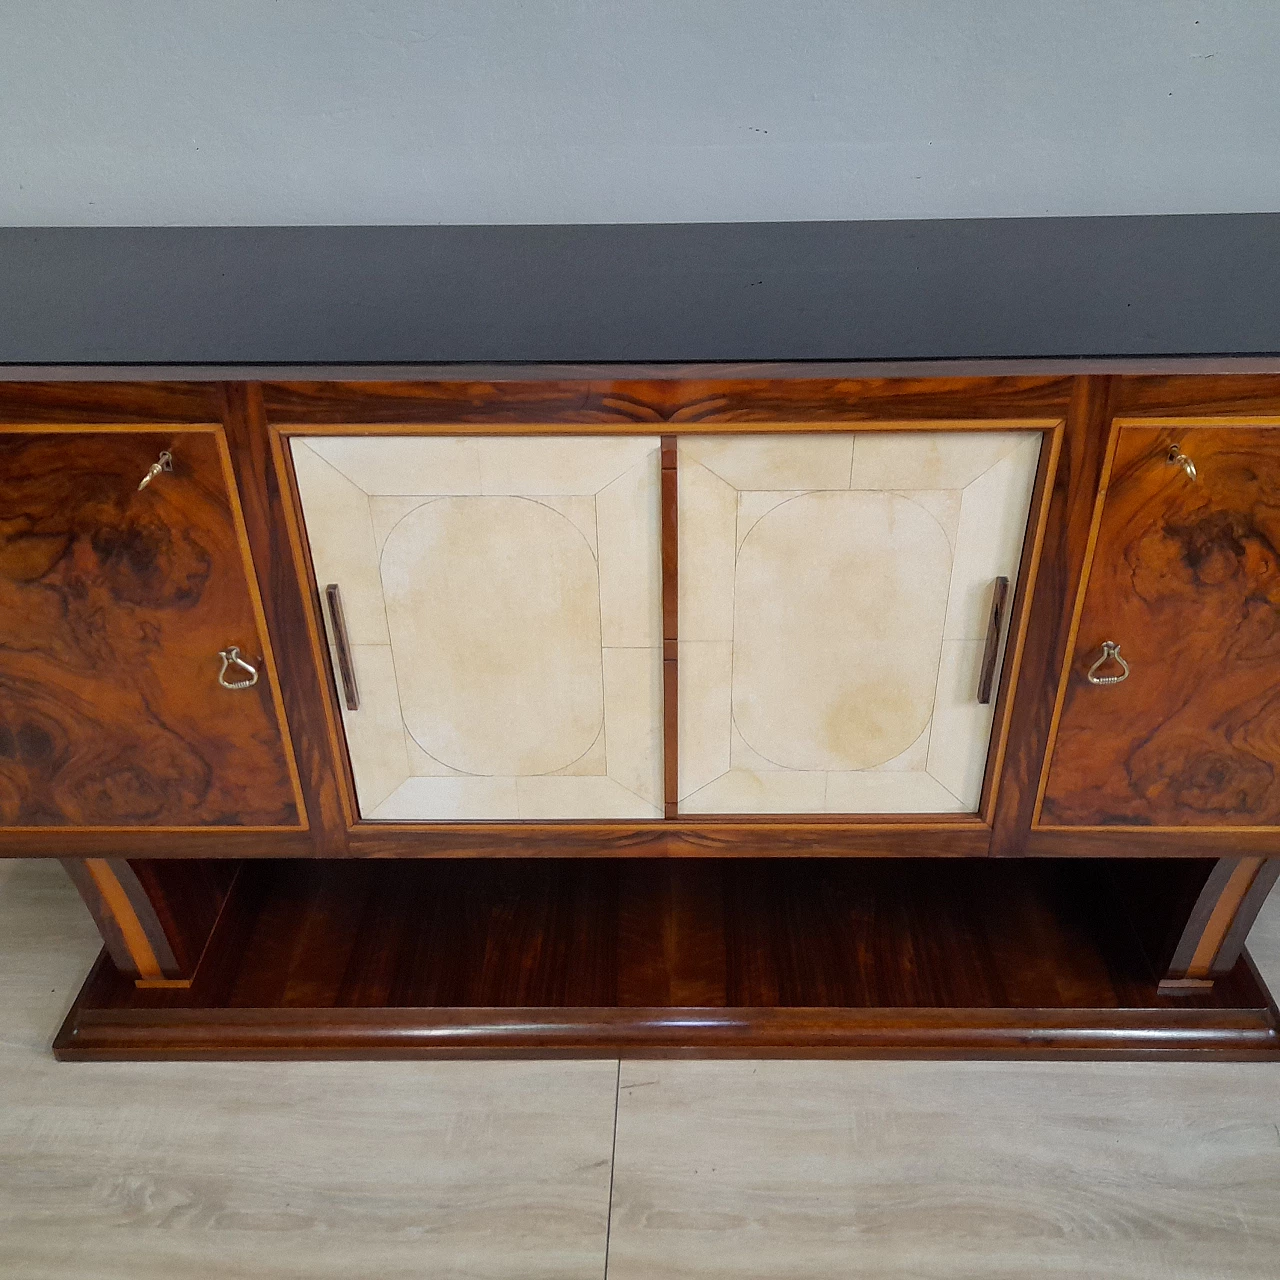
(738, 1169)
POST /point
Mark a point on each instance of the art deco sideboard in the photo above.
(747, 710)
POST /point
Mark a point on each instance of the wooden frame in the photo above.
(256, 418)
(827, 835)
(1205, 918)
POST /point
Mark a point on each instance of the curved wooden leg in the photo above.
(1215, 931)
(155, 916)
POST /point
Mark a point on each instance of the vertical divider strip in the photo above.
(670, 628)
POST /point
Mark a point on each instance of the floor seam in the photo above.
(613, 1164)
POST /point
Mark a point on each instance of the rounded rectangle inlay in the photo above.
(817, 687)
(504, 608)
(493, 605)
(835, 598)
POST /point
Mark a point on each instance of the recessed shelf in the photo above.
(595, 958)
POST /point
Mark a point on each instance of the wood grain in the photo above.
(748, 398)
(1186, 578)
(62, 403)
(736, 402)
(114, 603)
(1229, 902)
(1067, 515)
(553, 957)
(938, 1171)
(1210, 393)
(290, 601)
(800, 835)
(317, 720)
(670, 628)
(155, 916)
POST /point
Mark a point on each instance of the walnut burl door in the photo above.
(1185, 581)
(116, 603)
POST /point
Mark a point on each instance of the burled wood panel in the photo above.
(1186, 579)
(114, 603)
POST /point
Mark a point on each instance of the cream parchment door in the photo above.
(835, 593)
(502, 603)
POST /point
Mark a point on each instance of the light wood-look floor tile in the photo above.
(133, 1171)
(1001, 1171)
(994, 1171)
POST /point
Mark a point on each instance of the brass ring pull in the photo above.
(231, 658)
(1110, 650)
(163, 463)
(1176, 458)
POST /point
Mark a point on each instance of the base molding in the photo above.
(97, 1034)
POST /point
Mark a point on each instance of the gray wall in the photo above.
(121, 112)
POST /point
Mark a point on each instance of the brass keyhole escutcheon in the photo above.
(1176, 458)
(163, 463)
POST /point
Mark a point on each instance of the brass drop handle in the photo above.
(163, 463)
(1110, 652)
(231, 658)
(1176, 458)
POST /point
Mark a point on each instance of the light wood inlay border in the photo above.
(260, 621)
(300, 550)
(1016, 641)
(1077, 611)
(1224, 912)
(116, 901)
(1214, 936)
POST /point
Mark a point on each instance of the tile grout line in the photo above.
(613, 1164)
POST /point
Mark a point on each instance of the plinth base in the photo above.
(717, 958)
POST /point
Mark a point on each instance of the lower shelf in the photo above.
(769, 958)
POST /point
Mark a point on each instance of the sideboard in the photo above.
(763, 709)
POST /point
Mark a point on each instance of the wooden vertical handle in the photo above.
(995, 625)
(346, 670)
